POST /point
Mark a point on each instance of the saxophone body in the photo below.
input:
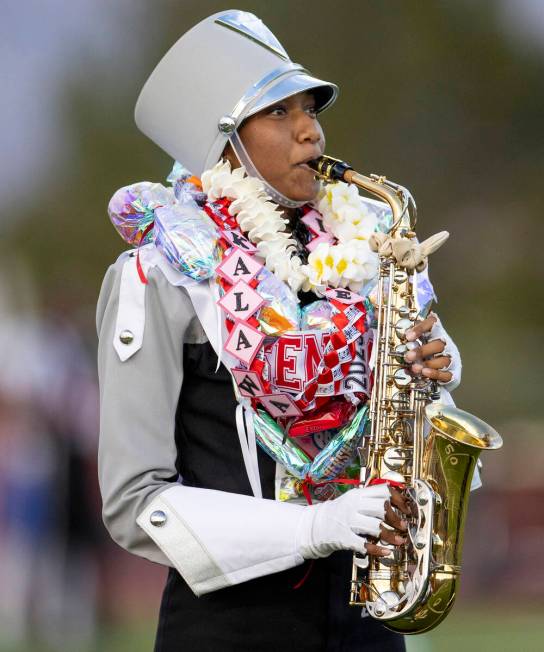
(429, 448)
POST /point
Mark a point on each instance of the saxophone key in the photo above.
(396, 458)
(401, 378)
(402, 326)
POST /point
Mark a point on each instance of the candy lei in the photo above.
(298, 375)
(339, 252)
(252, 228)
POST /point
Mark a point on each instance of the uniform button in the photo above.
(158, 518)
(126, 337)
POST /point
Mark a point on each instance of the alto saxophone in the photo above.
(413, 590)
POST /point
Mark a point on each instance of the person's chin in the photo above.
(304, 190)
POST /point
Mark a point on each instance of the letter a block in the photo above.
(244, 341)
(239, 266)
(280, 405)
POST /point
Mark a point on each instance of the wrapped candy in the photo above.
(188, 239)
(312, 444)
(334, 414)
(327, 465)
(333, 459)
(351, 472)
(280, 313)
(291, 489)
(132, 209)
(381, 212)
(317, 316)
(272, 322)
(270, 438)
(370, 318)
(186, 187)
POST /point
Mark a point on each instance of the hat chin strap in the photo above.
(245, 160)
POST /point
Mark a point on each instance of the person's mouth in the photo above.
(304, 164)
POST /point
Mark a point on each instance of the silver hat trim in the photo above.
(230, 23)
(253, 28)
(251, 96)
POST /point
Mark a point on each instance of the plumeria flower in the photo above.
(342, 194)
(339, 195)
(359, 229)
(345, 214)
(325, 263)
(364, 262)
(349, 265)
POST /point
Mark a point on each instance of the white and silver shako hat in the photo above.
(224, 69)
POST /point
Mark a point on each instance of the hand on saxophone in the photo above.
(343, 523)
(430, 359)
(393, 529)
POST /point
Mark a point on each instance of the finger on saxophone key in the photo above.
(389, 535)
(378, 551)
(398, 500)
(420, 328)
(393, 519)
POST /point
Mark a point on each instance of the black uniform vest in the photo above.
(266, 614)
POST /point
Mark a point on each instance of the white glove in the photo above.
(336, 524)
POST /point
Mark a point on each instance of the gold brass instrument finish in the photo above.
(430, 447)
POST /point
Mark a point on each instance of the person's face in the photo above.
(281, 139)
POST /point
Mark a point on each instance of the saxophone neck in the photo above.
(398, 198)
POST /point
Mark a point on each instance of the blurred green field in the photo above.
(497, 630)
(465, 630)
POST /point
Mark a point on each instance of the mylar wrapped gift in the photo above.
(188, 239)
(280, 312)
(132, 210)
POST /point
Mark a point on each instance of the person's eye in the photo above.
(277, 109)
(311, 110)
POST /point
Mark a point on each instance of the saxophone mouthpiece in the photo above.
(330, 169)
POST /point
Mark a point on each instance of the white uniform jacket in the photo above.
(213, 538)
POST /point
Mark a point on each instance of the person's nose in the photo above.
(308, 129)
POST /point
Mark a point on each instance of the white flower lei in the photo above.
(349, 263)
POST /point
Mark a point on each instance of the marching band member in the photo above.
(231, 273)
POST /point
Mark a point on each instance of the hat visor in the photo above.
(289, 85)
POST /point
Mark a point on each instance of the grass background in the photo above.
(498, 629)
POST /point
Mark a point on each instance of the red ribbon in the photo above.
(218, 211)
(141, 273)
(306, 575)
(391, 483)
(305, 486)
(308, 482)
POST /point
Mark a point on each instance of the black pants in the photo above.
(268, 615)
